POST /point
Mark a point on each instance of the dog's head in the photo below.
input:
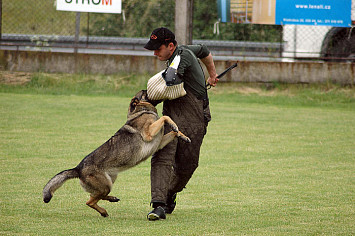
(140, 102)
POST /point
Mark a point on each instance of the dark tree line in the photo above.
(141, 17)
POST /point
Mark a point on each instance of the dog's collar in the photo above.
(141, 112)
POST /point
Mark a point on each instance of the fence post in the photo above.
(0, 20)
(88, 30)
(77, 31)
(281, 40)
(294, 41)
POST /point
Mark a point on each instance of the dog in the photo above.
(136, 141)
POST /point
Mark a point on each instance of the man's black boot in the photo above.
(156, 214)
(170, 203)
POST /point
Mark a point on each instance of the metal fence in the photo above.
(37, 25)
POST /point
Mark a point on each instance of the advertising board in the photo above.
(313, 12)
(282, 12)
(99, 6)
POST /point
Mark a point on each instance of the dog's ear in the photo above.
(145, 95)
(142, 95)
(133, 104)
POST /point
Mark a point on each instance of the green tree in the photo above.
(141, 17)
(138, 19)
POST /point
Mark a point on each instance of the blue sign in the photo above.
(313, 12)
(223, 7)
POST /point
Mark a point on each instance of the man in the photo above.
(173, 166)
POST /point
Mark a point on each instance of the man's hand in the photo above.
(212, 81)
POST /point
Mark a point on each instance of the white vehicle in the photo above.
(324, 42)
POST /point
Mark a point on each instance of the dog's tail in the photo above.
(57, 181)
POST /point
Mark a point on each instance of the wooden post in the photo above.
(183, 21)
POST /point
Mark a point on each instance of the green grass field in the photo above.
(275, 161)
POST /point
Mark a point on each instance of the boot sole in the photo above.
(156, 214)
(153, 217)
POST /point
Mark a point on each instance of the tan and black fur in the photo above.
(138, 139)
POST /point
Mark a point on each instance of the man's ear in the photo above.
(171, 46)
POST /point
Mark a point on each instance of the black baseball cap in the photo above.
(159, 37)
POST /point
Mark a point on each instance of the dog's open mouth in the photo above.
(144, 103)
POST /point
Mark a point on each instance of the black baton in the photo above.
(223, 73)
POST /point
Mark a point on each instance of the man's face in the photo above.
(164, 52)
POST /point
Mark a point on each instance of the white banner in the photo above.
(100, 6)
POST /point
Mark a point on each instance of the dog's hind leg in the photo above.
(98, 184)
(111, 198)
(93, 204)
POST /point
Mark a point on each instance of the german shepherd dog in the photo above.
(138, 139)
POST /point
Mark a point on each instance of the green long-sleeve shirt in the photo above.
(190, 70)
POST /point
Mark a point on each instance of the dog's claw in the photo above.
(174, 128)
(186, 139)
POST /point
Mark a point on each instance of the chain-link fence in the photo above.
(37, 25)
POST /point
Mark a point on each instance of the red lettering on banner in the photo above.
(107, 2)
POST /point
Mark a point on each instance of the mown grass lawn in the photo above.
(277, 162)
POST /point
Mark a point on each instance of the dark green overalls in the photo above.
(173, 166)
